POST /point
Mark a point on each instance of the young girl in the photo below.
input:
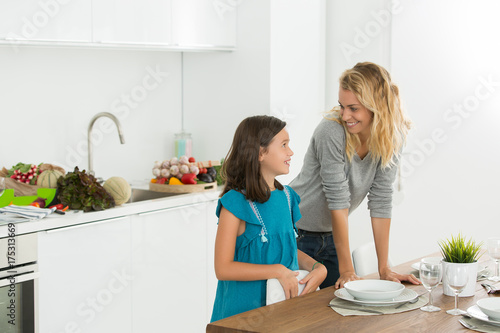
(256, 233)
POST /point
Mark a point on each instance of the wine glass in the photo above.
(494, 252)
(431, 272)
(457, 277)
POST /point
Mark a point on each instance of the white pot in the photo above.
(470, 289)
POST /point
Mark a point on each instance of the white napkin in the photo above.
(275, 292)
(27, 211)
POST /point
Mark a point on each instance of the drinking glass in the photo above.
(2, 185)
(494, 252)
(431, 272)
(457, 277)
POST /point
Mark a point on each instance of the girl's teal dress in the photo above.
(271, 241)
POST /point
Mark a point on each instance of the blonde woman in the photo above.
(353, 153)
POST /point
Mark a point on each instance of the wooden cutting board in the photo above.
(182, 188)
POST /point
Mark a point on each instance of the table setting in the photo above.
(375, 297)
(371, 297)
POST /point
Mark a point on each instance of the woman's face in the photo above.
(356, 117)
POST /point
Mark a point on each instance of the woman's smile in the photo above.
(355, 116)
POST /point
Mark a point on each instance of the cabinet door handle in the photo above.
(84, 225)
(155, 212)
(133, 43)
(169, 209)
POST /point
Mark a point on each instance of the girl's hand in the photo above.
(346, 277)
(388, 274)
(288, 280)
(313, 279)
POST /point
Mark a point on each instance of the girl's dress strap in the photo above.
(287, 193)
(255, 210)
(263, 232)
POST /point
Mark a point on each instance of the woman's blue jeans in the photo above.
(320, 246)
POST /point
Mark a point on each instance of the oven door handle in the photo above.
(20, 278)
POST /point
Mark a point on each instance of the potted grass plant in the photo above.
(459, 251)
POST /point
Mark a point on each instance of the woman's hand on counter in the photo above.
(390, 275)
(346, 277)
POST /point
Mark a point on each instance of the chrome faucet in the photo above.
(92, 121)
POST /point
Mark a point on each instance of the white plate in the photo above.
(475, 312)
(480, 267)
(405, 296)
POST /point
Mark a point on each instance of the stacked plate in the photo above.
(375, 292)
(486, 310)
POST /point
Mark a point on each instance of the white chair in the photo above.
(364, 259)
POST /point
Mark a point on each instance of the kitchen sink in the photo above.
(142, 195)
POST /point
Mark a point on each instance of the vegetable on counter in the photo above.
(218, 169)
(25, 173)
(48, 179)
(188, 178)
(58, 206)
(39, 202)
(174, 181)
(81, 191)
(205, 177)
(119, 189)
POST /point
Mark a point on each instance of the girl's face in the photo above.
(356, 117)
(275, 160)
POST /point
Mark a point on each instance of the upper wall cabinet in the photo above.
(147, 24)
(52, 20)
(132, 21)
(204, 23)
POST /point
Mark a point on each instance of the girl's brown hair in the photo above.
(241, 167)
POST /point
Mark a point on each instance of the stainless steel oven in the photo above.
(19, 283)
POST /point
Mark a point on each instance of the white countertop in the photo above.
(55, 221)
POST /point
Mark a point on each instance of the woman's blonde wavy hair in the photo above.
(373, 87)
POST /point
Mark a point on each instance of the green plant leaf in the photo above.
(81, 191)
(457, 250)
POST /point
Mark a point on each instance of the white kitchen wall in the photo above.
(49, 96)
(445, 56)
(221, 89)
(298, 71)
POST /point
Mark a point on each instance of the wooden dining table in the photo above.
(311, 313)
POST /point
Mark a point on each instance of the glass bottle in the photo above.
(183, 144)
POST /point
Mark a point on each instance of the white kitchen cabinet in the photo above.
(205, 23)
(50, 20)
(148, 24)
(169, 265)
(132, 21)
(86, 278)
